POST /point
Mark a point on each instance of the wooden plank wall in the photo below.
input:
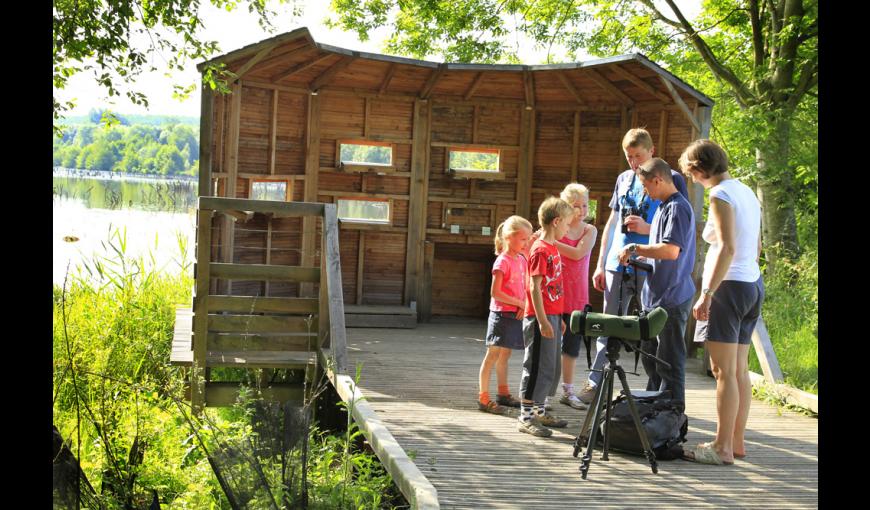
(566, 141)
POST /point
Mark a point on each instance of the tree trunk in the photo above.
(776, 192)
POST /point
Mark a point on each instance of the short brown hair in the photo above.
(637, 137)
(552, 208)
(706, 157)
(656, 167)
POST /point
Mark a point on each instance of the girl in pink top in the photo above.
(504, 330)
(574, 248)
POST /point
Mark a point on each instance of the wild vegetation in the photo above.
(120, 407)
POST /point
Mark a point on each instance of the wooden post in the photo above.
(418, 202)
(232, 169)
(200, 310)
(273, 132)
(206, 131)
(575, 147)
(332, 269)
(765, 353)
(663, 135)
(424, 303)
(524, 172)
(312, 167)
(360, 264)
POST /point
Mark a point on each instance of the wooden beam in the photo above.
(254, 60)
(273, 132)
(360, 262)
(663, 134)
(284, 57)
(570, 86)
(299, 67)
(335, 298)
(276, 208)
(474, 122)
(260, 304)
(524, 172)
(232, 168)
(433, 79)
(366, 117)
(389, 76)
(681, 103)
(765, 353)
(206, 133)
(424, 294)
(610, 88)
(330, 73)
(640, 83)
(473, 88)
(312, 165)
(415, 289)
(704, 114)
(264, 272)
(575, 147)
(200, 309)
(529, 88)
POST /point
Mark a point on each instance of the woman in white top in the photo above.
(731, 296)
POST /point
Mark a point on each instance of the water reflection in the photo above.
(157, 214)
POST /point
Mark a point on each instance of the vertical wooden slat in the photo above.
(232, 159)
(418, 203)
(524, 172)
(200, 309)
(367, 117)
(335, 319)
(474, 123)
(424, 303)
(273, 132)
(268, 251)
(206, 132)
(575, 147)
(312, 167)
(624, 117)
(360, 264)
(663, 135)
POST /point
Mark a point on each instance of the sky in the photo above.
(233, 30)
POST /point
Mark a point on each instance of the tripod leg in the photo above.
(584, 429)
(609, 406)
(647, 449)
(596, 418)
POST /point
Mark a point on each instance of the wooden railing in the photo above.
(246, 327)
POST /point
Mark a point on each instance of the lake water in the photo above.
(87, 206)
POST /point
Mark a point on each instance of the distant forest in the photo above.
(137, 144)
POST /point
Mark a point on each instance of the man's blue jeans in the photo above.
(670, 347)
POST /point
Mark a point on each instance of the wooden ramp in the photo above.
(423, 386)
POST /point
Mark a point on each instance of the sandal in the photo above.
(704, 453)
(491, 407)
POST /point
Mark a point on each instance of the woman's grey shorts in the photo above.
(503, 329)
(734, 311)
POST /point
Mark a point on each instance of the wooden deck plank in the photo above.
(423, 385)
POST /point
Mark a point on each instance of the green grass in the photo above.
(115, 395)
(790, 312)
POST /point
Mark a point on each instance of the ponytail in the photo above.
(507, 228)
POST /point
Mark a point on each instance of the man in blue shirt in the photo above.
(671, 252)
(632, 210)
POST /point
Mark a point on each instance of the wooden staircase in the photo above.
(258, 331)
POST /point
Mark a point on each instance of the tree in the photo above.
(757, 58)
(116, 39)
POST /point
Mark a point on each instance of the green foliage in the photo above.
(121, 410)
(467, 160)
(170, 149)
(118, 39)
(376, 154)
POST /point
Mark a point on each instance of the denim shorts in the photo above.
(503, 329)
(734, 311)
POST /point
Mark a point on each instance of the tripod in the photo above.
(603, 399)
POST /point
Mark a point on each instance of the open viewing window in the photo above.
(269, 190)
(474, 163)
(362, 155)
(356, 210)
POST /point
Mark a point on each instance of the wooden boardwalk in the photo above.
(423, 385)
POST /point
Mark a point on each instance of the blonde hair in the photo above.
(573, 192)
(507, 228)
(637, 137)
(552, 208)
(704, 156)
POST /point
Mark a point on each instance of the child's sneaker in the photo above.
(569, 399)
(551, 421)
(533, 428)
(491, 407)
(587, 394)
(507, 400)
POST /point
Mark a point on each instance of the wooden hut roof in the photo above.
(296, 61)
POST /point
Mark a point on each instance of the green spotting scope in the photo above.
(628, 327)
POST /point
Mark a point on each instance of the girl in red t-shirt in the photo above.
(504, 330)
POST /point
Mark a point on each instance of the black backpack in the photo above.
(665, 425)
